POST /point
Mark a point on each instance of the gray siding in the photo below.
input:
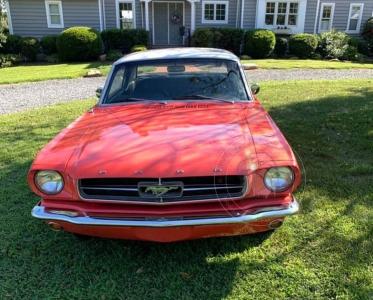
(309, 22)
(33, 20)
(250, 8)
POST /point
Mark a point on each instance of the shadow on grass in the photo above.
(333, 137)
(321, 253)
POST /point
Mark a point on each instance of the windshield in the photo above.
(176, 79)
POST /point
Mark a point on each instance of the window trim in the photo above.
(48, 13)
(287, 13)
(291, 29)
(358, 25)
(117, 12)
(215, 3)
(332, 5)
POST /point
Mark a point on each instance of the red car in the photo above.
(178, 147)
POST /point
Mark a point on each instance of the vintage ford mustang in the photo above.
(178, 147)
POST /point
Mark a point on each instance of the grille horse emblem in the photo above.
(159, 191)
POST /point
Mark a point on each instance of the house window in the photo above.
(215, 12)
(354, 18)
(125, 15)
(326, 18)
(54, 14)
(281, 13)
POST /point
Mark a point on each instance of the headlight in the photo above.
(49, 182)
(279, 179)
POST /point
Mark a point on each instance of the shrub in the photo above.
(49, 44)
(351, 53)
(53, 58)
(281, 46)
(112, 39)
(332, 44)
(12, 45)
(302, 44)
(113, 55)
(79, 44)
(367, 31)
(7, 60)
(30, 48)
(203, 37)
(219, 37)
(138, 48)
(259, 43)
(124, 39)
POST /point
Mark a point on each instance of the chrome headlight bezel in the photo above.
(49, 182)
(279, 179)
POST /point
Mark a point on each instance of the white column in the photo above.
(146, 14)
(193, 15)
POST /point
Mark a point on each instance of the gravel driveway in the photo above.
(19, 97)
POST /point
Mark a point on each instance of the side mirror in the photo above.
(255, 88)
(99, 91)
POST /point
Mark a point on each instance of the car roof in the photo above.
(178, 53)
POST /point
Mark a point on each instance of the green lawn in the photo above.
(44, 71)
(325, 252)
(307, 64)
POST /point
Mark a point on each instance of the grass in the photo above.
(39, 72)
(325, 252)
(307, 64)
(44, 71)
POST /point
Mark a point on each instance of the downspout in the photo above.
(242, 12)
(237, 12)
(104, 14)
(316, 16)
(100, 14)
(10, 25)
(256, 14)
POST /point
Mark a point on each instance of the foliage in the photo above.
(219, 37)
(124, 39)
(79, 44)
(4, 29)
(203, 37)
(49, 44)
(367, 31)
(112, 39)
(281, 46)
(352, 53)
(53, 58)
(30, 47)
(333, 44)
(259, 43)
(113, 55)
(138, 48)
(8, 60)
(12, 45)
(302, 44)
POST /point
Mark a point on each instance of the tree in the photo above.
(3, 23)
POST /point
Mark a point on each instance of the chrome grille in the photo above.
(191, 188)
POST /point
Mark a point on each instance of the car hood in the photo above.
(172, 140)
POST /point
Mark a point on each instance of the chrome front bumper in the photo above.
(40, 213)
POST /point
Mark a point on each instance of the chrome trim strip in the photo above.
(39, 212)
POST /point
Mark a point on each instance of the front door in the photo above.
(168, 17)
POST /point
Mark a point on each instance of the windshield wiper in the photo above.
(188, 97)
(137, 99)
